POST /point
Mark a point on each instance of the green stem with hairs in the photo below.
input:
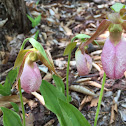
(21, 98)
(100, 99)
(67, 78)
(24, 42)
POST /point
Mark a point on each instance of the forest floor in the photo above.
(61, 21)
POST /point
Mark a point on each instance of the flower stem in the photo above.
(22, 105)
(24, 42)
(67, 78)
(100, 99)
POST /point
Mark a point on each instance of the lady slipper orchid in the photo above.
(83, 63)
(31, 77)
(113, 55)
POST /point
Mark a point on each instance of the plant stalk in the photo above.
(22, 105)
(67, 78)
(23, 44)
(100, 99)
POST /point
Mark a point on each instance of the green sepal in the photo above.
(117, 7)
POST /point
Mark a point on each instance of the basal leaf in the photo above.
(10, 118)
(37, 20)
(59, 83)
(74, 114)
(30, 18)
(51, 95)
(6, 88)
(36, 35)
(80, 36)
(67, 119)
(15, 106)
(69, 48)
(117, 7)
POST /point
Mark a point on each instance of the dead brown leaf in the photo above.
(94, 102)
(50, 123)
(114, 111)
(32, 104)
(5, 101)
(67, 30)
(85, 100)
(93, 83)
(48, 77)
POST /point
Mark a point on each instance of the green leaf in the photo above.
(80, 36)
(35, 21)
(37, 2)
(30, 18)
(10, 118)
(15, 106)
(77, 119)
(51, 95)
(96, 43)
(59, 83)
(36, 35)
(43, 57)
(6, 88)
(39, 47)
(67, 119)
(69, 48)
(117, 7)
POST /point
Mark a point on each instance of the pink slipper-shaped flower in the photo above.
(31, 78)
(114, 58)
(83, 63)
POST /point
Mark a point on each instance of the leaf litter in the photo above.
(60, 22)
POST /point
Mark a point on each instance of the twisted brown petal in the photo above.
(102, 27)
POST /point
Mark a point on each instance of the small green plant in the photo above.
(5, 89)
(35, 21)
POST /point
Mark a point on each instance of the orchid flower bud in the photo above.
(31, 77)
(83, 63)
(113, 55)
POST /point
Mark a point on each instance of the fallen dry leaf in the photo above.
(48, 77)
(82, 89)
(67, 30)
(94, 102)
(32, 104)
(85, 100)
(93, 83)
(114, 111)
(5, 101)
(39, 97)
(50, 123)
(96, 66)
